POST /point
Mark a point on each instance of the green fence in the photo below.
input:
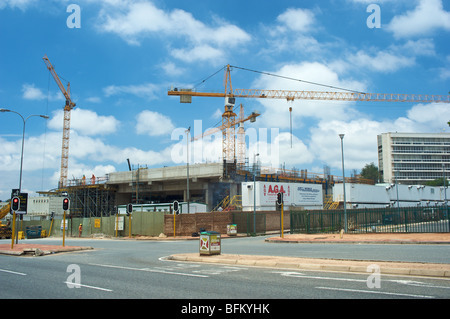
(382, 220)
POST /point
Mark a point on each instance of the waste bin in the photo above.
(232, 230)
(209, 243)
(33, 231)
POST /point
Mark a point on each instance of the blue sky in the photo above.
(124, 55)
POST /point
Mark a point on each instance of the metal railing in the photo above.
(380, 220)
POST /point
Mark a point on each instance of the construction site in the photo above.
(218, 185)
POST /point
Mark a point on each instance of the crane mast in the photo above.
(66, 125)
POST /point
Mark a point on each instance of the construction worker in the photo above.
(80, 230)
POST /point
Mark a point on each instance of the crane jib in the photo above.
(319, 95)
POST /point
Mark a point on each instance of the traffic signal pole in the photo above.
(15, 206)
(64, 229)
(66, 205)
(13, 230)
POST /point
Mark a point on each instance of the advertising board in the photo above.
(294, 194)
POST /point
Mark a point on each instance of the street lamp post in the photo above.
(445, 195)
(21, 160)
(254, 193)
(187, 168)
(23, 139)
(343, 181)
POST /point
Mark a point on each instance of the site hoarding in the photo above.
(309, 196)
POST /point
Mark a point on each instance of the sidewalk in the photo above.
(374, 238)
(37, 249)
(358, 266)
(320, 264)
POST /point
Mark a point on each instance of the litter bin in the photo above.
(209, 243)
(33, 231)
(232, 230)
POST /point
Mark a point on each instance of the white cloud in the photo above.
(171, 68)
(93, 99)
(198, 53)
(30, 92)
(360, 140)
(153, 123)
(299, 20)
(19, 4)
(147, 90)
(85, 122)
(144, 19)
(277, 111)
(427, 17)
(382, 61)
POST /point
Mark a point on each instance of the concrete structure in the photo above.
(308, 196)
(385, 195)
(208, 183)
(165, 207)
(44, 206)
(413, 158)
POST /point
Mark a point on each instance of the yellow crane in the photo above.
(231, 94)
(227, 129)
(66, 126)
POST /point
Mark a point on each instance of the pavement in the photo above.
(343, 265)
(37, 249)
(291, 263)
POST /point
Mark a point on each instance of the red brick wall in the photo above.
(186, 224)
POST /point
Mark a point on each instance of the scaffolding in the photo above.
(95, 200)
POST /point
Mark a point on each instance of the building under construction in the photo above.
(212, 184)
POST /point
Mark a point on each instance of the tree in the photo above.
(438, 182)
(370, 171)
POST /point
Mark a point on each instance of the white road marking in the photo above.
(86, 286)
(376, 292)
(300, 275)
(13, 272)
(151, 270)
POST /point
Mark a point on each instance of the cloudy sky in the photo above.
(121, 57)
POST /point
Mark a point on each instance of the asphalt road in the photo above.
(123, 269)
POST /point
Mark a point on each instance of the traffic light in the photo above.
(279, 198)
(129, 209)
(15, 204)
(176, 207)
(65, 203)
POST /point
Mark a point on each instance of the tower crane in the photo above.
(66, 127)
(231, 94)
(226, 132)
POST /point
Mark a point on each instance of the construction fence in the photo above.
(381, 220)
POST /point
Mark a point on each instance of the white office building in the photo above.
(413, 158)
